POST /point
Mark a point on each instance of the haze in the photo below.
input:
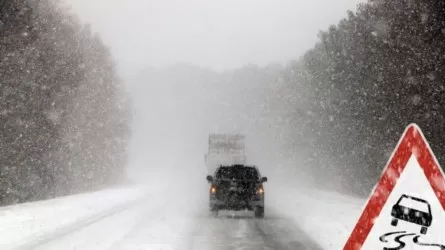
(213, 34)
(175, 108)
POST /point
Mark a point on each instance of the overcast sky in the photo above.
(216, 34)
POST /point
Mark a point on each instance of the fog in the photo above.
(190, 93)
(218, 35)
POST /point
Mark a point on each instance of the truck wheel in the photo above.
(423, 230)
(214, 212)
(259, 212)
(394, 222)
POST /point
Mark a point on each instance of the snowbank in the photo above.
(32, 222)
(328, 217)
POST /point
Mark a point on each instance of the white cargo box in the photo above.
(225, 149)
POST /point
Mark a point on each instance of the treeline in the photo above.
(371, 75)
(64, 115)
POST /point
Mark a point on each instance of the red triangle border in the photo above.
(412, 142)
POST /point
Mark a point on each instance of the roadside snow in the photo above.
(30, 222)
(328, 217)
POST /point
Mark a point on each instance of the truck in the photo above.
(225, 149)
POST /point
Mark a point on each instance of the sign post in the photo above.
(406, 207)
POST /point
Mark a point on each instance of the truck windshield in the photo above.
(238, 173)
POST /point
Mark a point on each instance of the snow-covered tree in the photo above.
(371, 75)
(63, 112)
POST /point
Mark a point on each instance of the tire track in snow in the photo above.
(149, 218)
(249, 233)
(278, 233)
(65, 231)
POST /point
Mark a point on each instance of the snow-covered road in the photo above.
(242, 231)
(147, 227)
(163, 220)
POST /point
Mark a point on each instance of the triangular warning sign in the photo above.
(407, 205)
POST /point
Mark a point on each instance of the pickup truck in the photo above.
(237, 187)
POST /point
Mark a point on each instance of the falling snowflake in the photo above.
(54, 116)
(432, 75)
(416, 100)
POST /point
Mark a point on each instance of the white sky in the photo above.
(216, 34)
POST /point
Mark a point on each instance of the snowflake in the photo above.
(54, 116)
(432, 76)
(416, 99)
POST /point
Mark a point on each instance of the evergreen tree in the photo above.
(373, 74)
(63, 113)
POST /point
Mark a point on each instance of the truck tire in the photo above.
(259, 212)
(214, 212)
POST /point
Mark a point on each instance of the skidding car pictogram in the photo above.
(414, 210)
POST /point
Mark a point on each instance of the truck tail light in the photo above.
(260, 190)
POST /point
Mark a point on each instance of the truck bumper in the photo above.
(249, 204)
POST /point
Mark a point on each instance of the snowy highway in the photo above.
(244, 232)
(137, 228)
(159, 221)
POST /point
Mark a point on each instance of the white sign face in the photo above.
(412, 217)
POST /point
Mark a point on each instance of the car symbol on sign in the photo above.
(413, 210)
